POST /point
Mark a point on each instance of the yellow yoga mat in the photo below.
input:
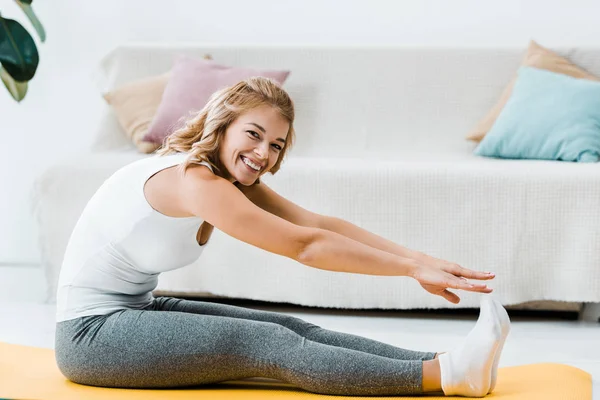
(31, 373)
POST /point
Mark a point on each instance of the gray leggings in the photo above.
(176, 343)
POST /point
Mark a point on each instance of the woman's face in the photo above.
(255, 137)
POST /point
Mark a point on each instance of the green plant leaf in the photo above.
(26, 7)
(18, 90)
(18, 52)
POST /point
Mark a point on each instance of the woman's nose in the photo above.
(261, 153)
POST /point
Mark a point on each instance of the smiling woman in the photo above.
(252, 119)
(156, 214)
(257, 151)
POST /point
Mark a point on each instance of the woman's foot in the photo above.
(467, 370)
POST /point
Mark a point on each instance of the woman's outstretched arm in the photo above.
(221, 204)
(276, 204)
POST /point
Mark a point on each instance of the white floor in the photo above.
(26, 320)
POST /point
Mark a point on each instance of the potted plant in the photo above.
(19, 56)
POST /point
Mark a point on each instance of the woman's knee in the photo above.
(296, 324)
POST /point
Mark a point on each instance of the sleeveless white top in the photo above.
(120, 245)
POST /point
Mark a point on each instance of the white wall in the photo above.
(58, 114)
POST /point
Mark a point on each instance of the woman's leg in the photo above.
(301, 327)
(154, 349)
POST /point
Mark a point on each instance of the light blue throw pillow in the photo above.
(549, 116)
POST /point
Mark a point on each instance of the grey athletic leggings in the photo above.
(176, 343)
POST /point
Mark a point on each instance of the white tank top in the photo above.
(120, 245)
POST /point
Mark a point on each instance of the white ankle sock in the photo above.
(505, 329)
(467, 369)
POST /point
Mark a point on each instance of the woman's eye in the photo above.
(258, 136)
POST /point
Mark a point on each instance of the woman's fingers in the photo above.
(462, 283)
(467, 273)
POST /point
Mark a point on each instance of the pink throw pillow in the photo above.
(191, 84)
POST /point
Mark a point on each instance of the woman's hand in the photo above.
(436, 276)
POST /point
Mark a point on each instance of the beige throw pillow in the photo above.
(135, 105)
(537, 57)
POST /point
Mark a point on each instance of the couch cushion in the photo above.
(191, 84)
(537, 57)
(549, 116)
(135, 105)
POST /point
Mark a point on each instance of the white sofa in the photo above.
(381, 143)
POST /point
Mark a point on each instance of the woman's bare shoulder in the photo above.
(197, 174)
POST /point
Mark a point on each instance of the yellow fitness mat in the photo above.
(31, 373)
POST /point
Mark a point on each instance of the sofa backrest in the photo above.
(361, 101)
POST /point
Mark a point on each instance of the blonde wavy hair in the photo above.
(203, 132)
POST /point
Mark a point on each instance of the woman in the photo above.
(157, 214)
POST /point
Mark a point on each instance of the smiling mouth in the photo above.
(249, 167)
